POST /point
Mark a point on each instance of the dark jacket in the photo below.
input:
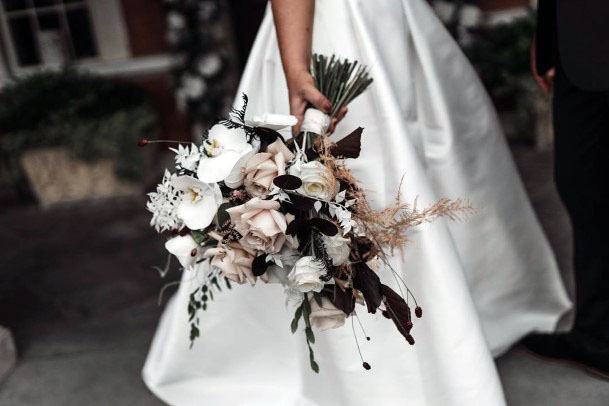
(577, 32)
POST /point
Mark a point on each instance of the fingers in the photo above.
(332, 126)
(317, 99)
(297, 108)
(542, 84)
(549, 79)
(546, 81)
(341, 114)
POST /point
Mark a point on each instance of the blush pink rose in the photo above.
(263, 167)
(234, 261)
(261, 225)
(326, 316)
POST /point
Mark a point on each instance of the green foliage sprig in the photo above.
(340, 80)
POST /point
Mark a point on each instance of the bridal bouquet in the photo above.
(246, 205)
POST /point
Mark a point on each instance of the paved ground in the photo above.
(78, 291)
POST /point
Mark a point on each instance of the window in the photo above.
(47, 32)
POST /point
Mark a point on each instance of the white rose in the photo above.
(326, 316)
(337, 248)
(317, 180)
(306, 273)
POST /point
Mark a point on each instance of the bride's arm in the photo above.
(294, 25)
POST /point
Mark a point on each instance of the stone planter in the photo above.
(55, 176)
(8, 353)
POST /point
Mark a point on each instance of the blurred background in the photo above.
(81, 81)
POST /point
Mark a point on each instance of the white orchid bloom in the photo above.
(185, 249)
(200, 201)
(223, 150)
(272, 121)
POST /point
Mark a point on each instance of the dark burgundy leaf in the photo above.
(365, 247)
(398, 310)
(350, 146)
(301, 202)
(324, 226)
(367, 281)
(259, 265)
(343, 299)
(295, 226)
(287, 182)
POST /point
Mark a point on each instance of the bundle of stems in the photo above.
(340, 80)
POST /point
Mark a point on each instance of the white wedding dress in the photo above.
(483, 283)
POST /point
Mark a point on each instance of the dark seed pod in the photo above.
(418, 312)
(366, 366)
(386, 314)
(193, 253)
(409, 325)
(368, 338)
(410, 339)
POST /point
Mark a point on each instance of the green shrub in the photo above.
(500, 54)
(94, 117)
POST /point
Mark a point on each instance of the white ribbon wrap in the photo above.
(315, 121)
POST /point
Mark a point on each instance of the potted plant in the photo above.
(68, 135)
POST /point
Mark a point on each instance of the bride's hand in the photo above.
(302, 92)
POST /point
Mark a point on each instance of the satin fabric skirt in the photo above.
(483, 283)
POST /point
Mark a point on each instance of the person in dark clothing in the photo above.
(571, 58)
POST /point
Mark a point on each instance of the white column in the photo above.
(110, 29)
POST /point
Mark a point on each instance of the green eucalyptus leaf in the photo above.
(310, 335)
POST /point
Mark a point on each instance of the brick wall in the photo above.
(145, 21)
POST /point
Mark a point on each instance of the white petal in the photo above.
(231, 138)
(182, 247)
(185, 182)
(235, 177)
(200, 214)
(272, 121)
(216, 169)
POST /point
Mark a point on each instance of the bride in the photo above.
(484, 283)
